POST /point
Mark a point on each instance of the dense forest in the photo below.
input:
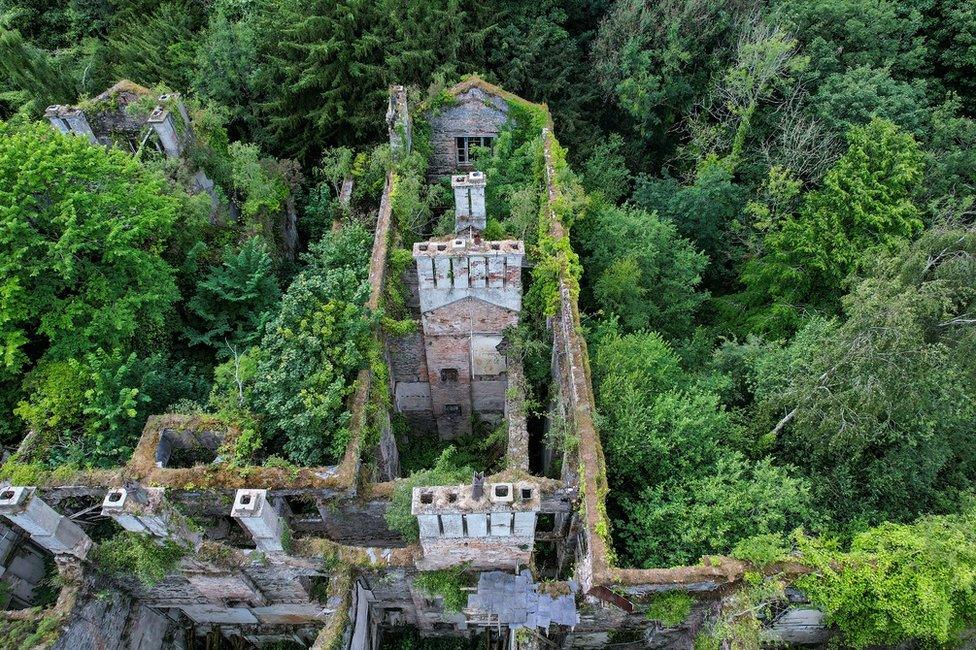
(777, 241)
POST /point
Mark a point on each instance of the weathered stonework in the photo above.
(309, 558)
(489, 526)
(398, 121)
(474, 113)
(470, 292)
(47, 528)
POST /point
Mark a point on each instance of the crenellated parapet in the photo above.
(460, 268)
(488, 525)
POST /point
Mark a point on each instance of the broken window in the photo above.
(449, 375)
(467, 143)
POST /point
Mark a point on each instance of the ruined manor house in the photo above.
(304, 555)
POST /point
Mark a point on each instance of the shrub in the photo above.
(140, 556)
(444, 472)
(761, 550)
(898, 582)
(447, 583)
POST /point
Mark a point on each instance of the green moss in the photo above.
(528, 117)
(670, 608)
(31, 634)
(438, 101)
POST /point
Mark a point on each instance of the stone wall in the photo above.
(475, 113)
(411, 383)
(116, 620)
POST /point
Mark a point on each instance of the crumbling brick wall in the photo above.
(475, 113)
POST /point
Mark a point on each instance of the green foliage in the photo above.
(31, 77)
(950, 27)
(410, 638)
(670, 608)
(28, 634)
(677, 521)
(666, 437)
(642, 270)
(703, 212)
(139, 556)
(841, 34)
(859, 94)
(76, 274)
(158, 46)
(897, 583)
(261, 185)
(865, 204)
(236, 299)
(412, 200)
(605, 171)
(653, 59)
(761, 550)
(328, 65)
(446, 583)
(227, 58)
(880, 404)
(90, 411)
(727, 118)
(313, 349)
(480, 451)
(738, 624)
(446, 471)
(513, 194)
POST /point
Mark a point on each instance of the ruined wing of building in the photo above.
(268, 555)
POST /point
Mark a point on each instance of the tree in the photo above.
(853, 97)
(156, 47)
(226, 62)
(313, 349)
(950, 154)
(30, 76)
(678, 520)
(605, 170)
(877, 409)
(90, 411)
(898, 583)
(657, 421)
(236, 299)
(82, 229)
(325, 67)
(763, 68)
(655, 59)
(678, 489)
(951, 29)
(841, 34)
(539, 50)
(865, 204)
(642, 270)
(704, 212)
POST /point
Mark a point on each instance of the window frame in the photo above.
(464, 143)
